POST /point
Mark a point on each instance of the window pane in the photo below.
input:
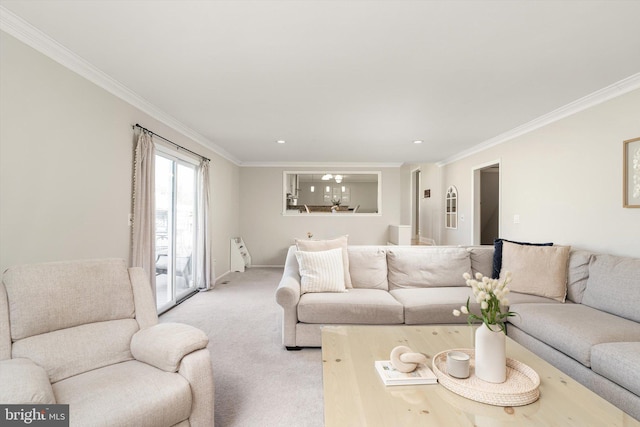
(185, 226)
(175, 229)
(164, 221)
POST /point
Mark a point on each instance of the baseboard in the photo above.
(222, 275)
(262, 266)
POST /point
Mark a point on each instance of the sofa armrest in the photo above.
(24, 382)
(288, 296)
(288, 291)
(165, 344)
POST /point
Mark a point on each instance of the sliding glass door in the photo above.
(175, 229)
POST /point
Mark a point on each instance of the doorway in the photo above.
(175, 200)
(415, 214)
(486, 203)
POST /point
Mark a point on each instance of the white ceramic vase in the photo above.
(491, 354)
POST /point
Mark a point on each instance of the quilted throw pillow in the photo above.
(321, 271)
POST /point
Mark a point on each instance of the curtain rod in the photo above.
(179, 147)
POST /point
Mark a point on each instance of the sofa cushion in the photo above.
(98, 290)
(614, 286)
(72, 351)
(321, 271)
(536, 270)
(577, 275)
(481, 259)
(323, 245)
(434, 305)
(573, 329)
(520, 298)
(126, 394)
(619, 362)
(368, 267)
(359, 306)
(427, 267)
(497, 253)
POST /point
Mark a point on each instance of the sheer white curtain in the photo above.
(205, 276)
(143, 253)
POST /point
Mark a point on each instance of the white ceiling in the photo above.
(349, 81)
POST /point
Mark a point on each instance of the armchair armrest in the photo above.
(165, 344)
(24, 382)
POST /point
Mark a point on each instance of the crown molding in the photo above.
(15, 26)
(31, 36)
(598, 97)
(318, 165)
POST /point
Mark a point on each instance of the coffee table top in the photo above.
(354, 394)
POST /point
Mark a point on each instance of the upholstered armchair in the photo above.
(86, 334)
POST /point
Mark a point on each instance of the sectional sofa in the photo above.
(577, 310)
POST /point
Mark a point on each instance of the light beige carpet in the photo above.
(257, 382)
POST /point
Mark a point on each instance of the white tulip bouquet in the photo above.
(491, 294)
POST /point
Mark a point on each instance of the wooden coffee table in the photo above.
(355, 396)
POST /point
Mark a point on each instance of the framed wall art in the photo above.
(631, 173)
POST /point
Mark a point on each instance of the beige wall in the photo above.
(268, 233)
(66, 150)
(564, 180)
(66, 153)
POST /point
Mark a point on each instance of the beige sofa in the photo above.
(594, 336)
(86, 334)
(392, 285)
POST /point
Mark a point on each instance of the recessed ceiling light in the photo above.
(417, 141)
(280, 141)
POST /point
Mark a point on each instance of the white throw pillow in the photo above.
(323, 245)
(321, 271)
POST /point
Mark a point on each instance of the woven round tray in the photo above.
(520, 387)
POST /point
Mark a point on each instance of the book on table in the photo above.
(391, 376)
